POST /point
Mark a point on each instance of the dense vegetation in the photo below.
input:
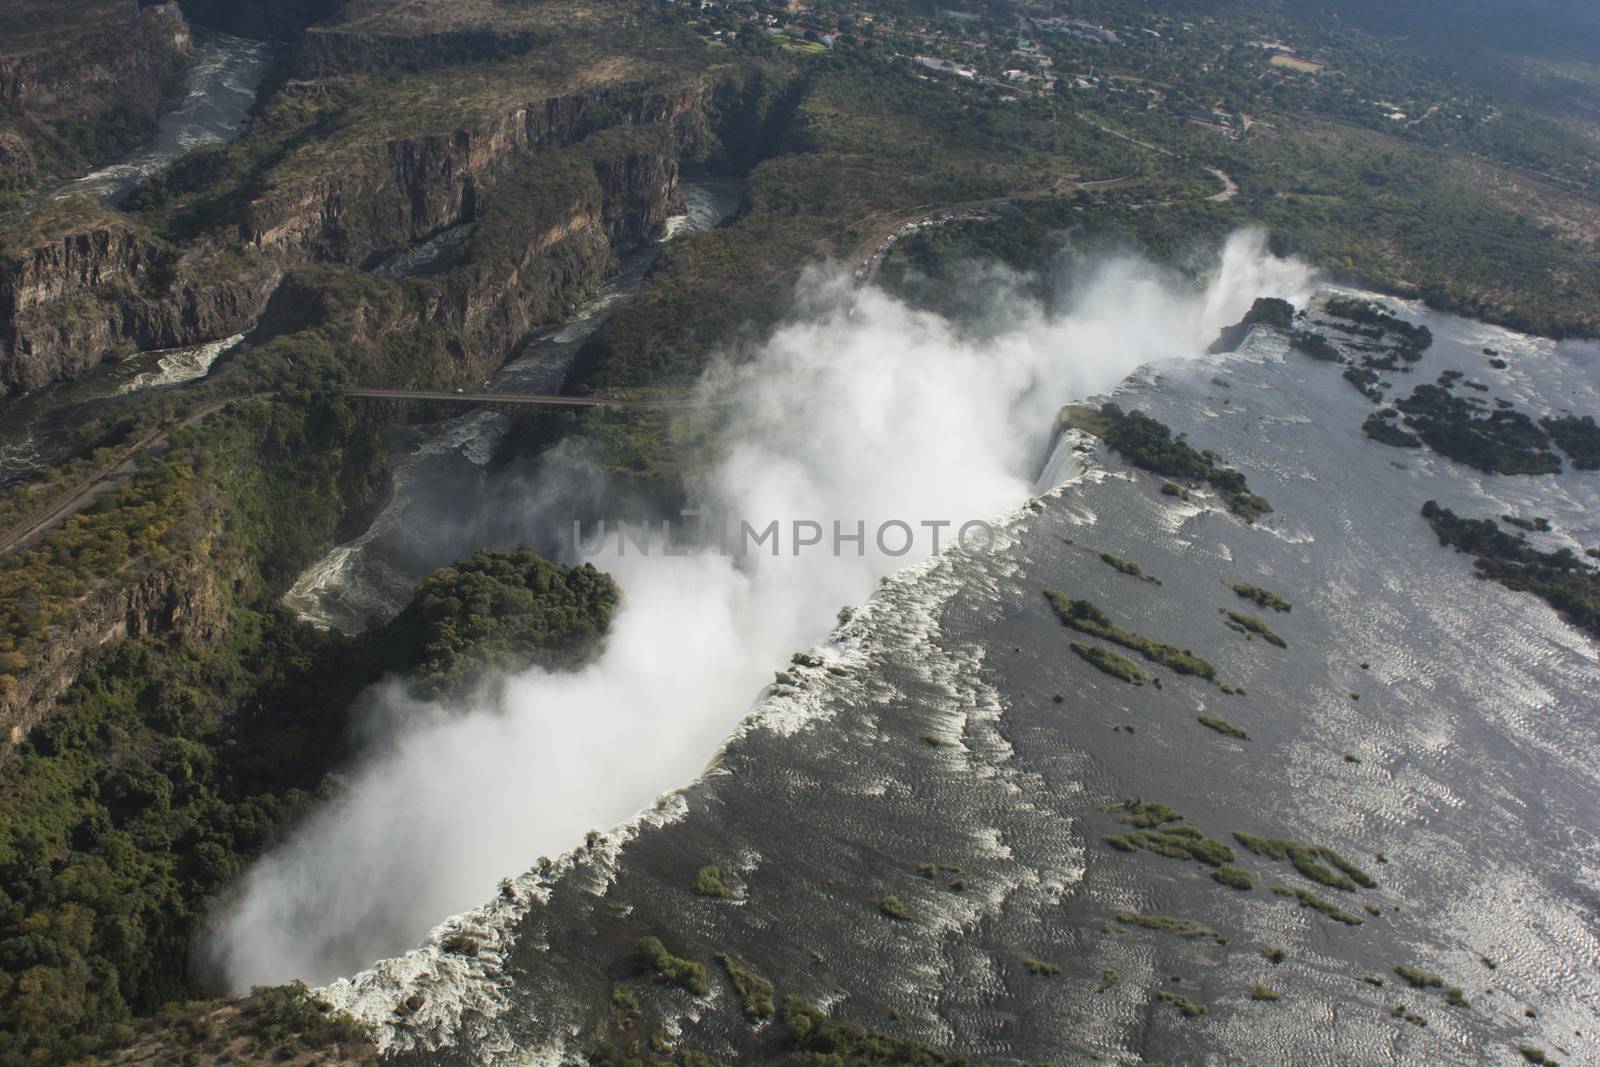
(273, 1024)
(1502, 441)
(1308, 860)
(498, 609)
(1265, 311)
(1152, 446)
(1265, 597)
(1561, 578)
(1410, 340)
(166, 768)
(1578, 437)
(818, 1041)
(1251, 626)
(1109, 662)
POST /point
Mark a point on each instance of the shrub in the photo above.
(689, 974)
(1234, 877)
(754, 990)
(708, 883)
(1222, 726)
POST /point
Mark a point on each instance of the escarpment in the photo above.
(386, 196)
(542, 241)
(81, 80)
(103, 286)
(107, 290)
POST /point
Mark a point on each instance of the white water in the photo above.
(859, 410)
(222, 83)
(178, 365)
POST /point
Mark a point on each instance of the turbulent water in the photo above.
(928, 732)
(223, 79)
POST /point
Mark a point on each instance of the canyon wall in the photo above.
(81, 80)
(108, 287)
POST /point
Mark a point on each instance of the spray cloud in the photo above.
(859, 409)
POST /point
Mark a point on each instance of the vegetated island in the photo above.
(1578, 437)
(1085, 617)
(1150, 444)
(1561, 578)
(1502, 441)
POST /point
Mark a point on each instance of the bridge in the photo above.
(526, 399)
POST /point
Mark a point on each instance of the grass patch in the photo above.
(1261, 992)
(894, 909)
(1234, 877)
(708, 883)
(1182, 927)
(1188, 1007)
(1128, 567)
(1416, 978)
(754, 990)
(1307, 860)
(1157, 834)
(1535, 1055)
(1146, 813)
(1264, 597)
(1087, 418)
(1400, 1011)
(689, 974)
(1222, 726)
(1112, 663)
(1252, 626)
(1108, 978)
(1178, 842)
(1040, 967)
(1274, 955)
(1085, 617)
(1308, 899)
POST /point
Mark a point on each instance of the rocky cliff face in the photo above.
(83, 79)
(535, 251)
(182, 596)
(108, 290)
(410, 188)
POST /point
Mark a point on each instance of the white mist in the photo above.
(860, 410)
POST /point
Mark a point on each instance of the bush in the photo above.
(708, 883)
(686, 973)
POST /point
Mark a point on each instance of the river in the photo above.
(36, 428)
(1442, 722)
